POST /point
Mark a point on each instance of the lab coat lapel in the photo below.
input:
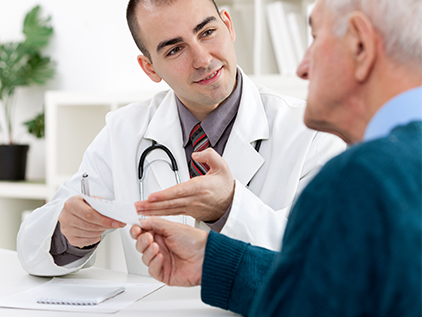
(165, 129)
(251, 125)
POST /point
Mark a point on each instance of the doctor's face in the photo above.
(191, 49)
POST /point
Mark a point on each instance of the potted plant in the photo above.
(21, 64)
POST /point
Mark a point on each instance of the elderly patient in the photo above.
(358, 253)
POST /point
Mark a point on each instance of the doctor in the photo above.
(188, 44)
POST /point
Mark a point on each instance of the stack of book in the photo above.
(289, 35)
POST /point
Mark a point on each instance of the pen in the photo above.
(85, 184)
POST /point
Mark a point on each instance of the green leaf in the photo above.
(36, 30)
(13, 60)
(36, 126)
(39, 69)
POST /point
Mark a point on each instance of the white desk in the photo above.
(167, 301)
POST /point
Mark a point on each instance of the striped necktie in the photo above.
(200, 142)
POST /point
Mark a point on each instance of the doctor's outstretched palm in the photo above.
(173, 252)
(205, 198)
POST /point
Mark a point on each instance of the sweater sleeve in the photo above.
(233, 272)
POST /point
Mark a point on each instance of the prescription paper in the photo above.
(118, 210)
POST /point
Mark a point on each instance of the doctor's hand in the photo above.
(205, 198)
(82, 225)
(173, 252)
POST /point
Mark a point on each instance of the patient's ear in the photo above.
(363, 41)
(148, 68)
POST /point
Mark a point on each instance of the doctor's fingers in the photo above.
(77, 207)
(90, 220)
(212, 159)
(162, 208)
(192, 187)
(70, 230)
(80, 237)
(194, 206)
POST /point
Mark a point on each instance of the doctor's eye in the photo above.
(208, 32)
(174, 51)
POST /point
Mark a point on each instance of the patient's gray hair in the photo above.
(398, 21)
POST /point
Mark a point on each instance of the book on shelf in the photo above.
(297, 30)
(287, 31)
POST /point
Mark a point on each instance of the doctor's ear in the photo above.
(146, 65)
(225, 16)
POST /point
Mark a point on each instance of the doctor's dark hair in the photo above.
(132, 20)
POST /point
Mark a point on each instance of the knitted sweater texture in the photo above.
(352, 246)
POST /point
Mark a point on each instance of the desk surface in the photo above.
(167, 301)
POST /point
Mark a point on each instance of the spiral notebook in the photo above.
(79, 295)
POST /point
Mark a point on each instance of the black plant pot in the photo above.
(13, 162)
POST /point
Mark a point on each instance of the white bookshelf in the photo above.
(15, 198)
(72, 122)
(253, 44)
(37, 190)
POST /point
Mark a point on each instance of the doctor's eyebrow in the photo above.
(165, 43)
(201, 25)
(176, 40)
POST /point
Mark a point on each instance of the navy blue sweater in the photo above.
(352, 246)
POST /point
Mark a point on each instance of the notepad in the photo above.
(27, 299)
(79, 295)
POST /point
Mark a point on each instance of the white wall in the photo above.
(92, 47)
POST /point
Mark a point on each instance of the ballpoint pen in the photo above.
(85, 184)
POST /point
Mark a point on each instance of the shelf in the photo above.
(287, 85)
(24, 190)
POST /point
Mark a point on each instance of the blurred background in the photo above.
(93, 51)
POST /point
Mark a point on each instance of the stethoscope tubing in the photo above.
(141, 171)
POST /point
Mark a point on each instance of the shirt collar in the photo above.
(217, 121)
(400, 110)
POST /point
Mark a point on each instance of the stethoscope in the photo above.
(141, 170)
(173, 165)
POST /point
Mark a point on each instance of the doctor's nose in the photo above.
(201, 57)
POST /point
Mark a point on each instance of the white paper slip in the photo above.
(118, 210)
(71, 294)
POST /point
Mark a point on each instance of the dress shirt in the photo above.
(217, 125)
(391, 114)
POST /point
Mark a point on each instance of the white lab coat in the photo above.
(289, 157)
